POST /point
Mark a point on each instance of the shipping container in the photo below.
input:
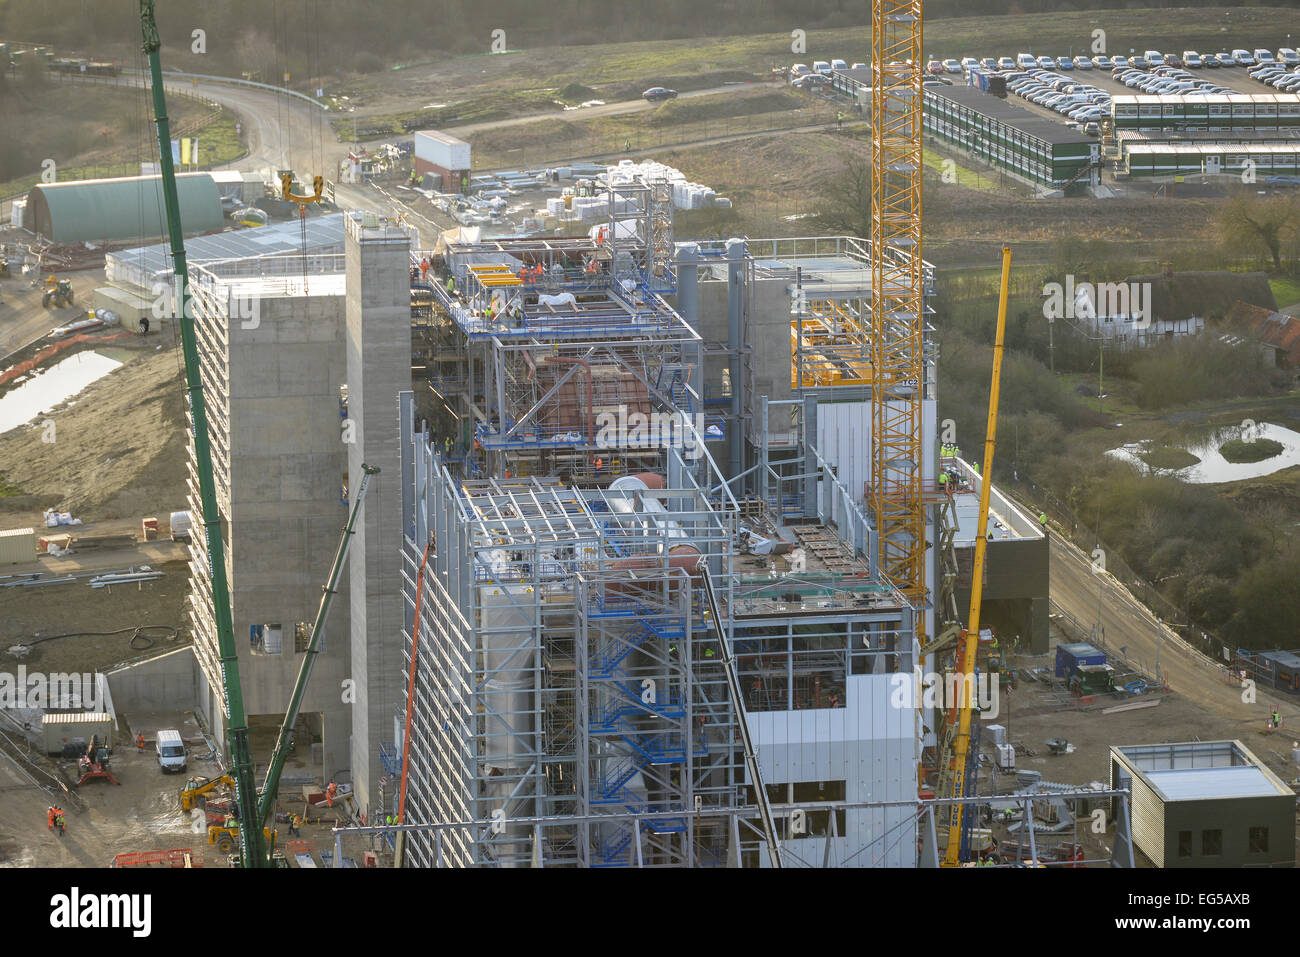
(75, 728)
(442, 150)
(1070, 656)
(17, 546)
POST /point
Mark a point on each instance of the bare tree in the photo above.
(1260, 223)
(846, 199)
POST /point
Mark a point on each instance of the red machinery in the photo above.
(94, 763)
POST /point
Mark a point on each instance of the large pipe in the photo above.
(591, 399)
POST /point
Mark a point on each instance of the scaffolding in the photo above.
(568, 667)
(555, 355)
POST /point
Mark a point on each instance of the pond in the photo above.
(49, 387)
(1213, 467)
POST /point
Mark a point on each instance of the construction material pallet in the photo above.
(180, 857)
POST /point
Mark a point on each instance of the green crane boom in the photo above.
(252, 845)
(272, 784)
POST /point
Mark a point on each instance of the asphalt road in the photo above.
(1127, 623)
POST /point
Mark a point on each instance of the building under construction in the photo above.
(644, 447)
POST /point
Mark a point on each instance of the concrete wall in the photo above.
(378, 366)
(166, 682)
(279, 463)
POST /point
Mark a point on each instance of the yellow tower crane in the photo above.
(897, 297)
(966, 687)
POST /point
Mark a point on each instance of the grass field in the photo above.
(1285, 291)
(104, 131)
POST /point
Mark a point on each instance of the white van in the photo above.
(822, 67)
(1154, 58)
(1288, 56)
(839, 65)
(1026, 61)
(1264, 56)
(171, 751)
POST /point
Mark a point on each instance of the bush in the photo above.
(1196, 369)
(1241, 451)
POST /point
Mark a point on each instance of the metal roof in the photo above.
(1198, 784)
(142, 266)
(1010, 115)
(95, 210)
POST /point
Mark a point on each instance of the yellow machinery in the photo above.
(302, 199)
(897, 296)
(970, 638)
(195, 793)
(227, 838)
(57, 292)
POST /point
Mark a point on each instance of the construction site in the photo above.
(558, 537)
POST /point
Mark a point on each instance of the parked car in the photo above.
(858, 66)
(1264, 56)
(838, 65)
(1082, 62)
(1026, 61)
(952, 66)
(1154, 57)
(1172, 60)
(1288, 56)
(1103, 62)
(970, 63)
(1006, 63)
(990, 63)
(812, 81)
(1140, 63)
(1243, 58)
(798, 70)
(1192, 60)
(822, 66)
(1047, 63)
(934, 66)
(657, 94)
(1211, 61)
(1120, 62)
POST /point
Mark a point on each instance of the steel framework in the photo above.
(897, 294)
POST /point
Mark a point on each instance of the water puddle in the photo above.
(1213, 467)
(48, 388)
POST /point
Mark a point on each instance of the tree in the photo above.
(846, 199)
(1253, 222)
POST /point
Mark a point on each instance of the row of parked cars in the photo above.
(819, 74)
(1080, 102)
(1166, 80)
(1281, 76)
(1189, 59)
